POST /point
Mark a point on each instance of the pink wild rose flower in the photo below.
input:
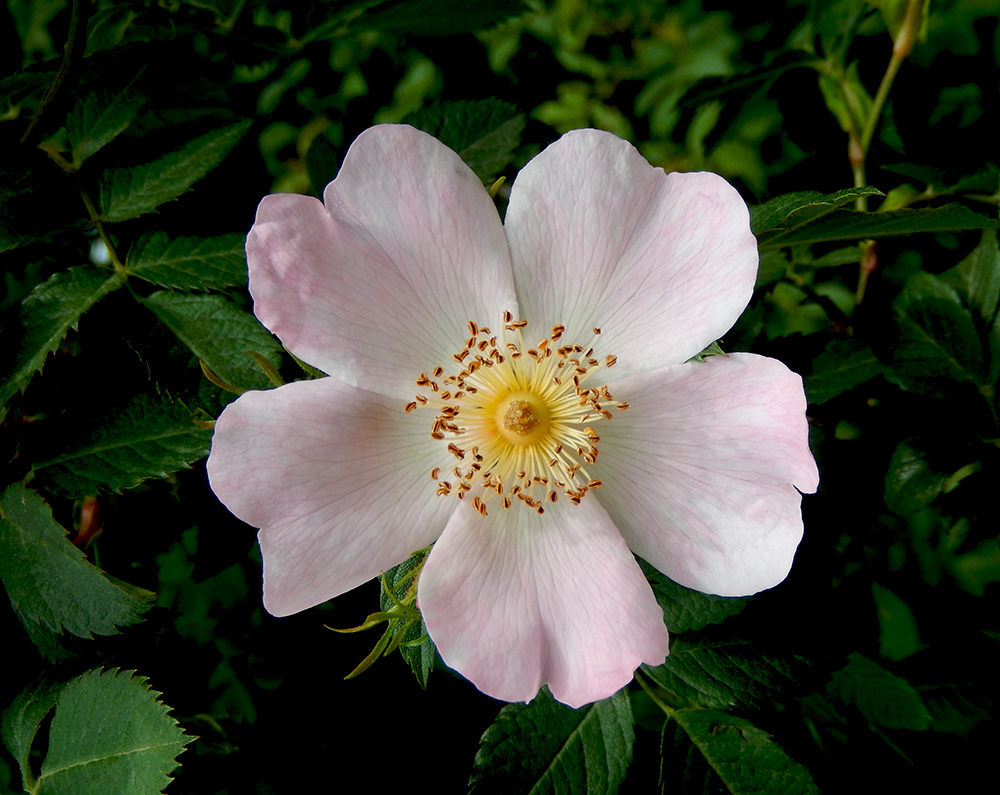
(519, 395)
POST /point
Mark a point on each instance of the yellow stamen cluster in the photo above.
(517, 419)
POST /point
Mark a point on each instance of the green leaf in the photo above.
(100, 117)
(546, 747)
(49, 581)
(219, 333)
(685, 610)
(149, 438)
(955, 708)
(882, 697)
(843, 364)
(483, 133)
(20, 725)
(911, 483)
(746, 759)
(898, 633)
(130, 192)
(110, 733)
(977, 278)
(859, 226)
(190, 263)
(846, 98)
(47, 314)
(938, 346)
(724, 674)
(784, 214)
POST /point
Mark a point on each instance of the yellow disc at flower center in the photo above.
(522, 418)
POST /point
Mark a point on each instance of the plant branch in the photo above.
(74, 44)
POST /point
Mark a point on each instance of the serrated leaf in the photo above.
(219, 333)
(938, 346)
(110, 733)
(149, 438)
(843, 365)
(725, 674)
(484, 133)
(546, 747)
(190, 263)
(130, 192)
(49, 581)
(100, 117)
(47, 314)
(747, 760)
(784, 214)
(685, 610)
(881, 696)
(862, 226)
(20, 725)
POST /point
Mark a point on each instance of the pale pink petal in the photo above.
(515, 600)
(662, 263)
(379, 285)
(702, 473)
(336, 478)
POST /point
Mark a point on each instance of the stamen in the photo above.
(512, 413)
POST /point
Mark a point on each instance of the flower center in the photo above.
(516, 419)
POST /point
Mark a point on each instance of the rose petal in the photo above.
(700, 473)
(335, 478)
(516, 600)
(379, 286)
(663, 263)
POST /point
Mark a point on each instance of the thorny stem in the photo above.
(860, 140)
(74, 41)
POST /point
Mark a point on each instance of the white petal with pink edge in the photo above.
(515, 600)
(380, 284)
(337, 480)
(702, 474)
(663, 263)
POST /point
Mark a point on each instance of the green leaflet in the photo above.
(882, 697)
(130, 192)
(745, 758)
(219, 333)
(785, 214)
(724, 674)
(938, 346)
(190, 263)
(546, 747)
(896, 223)
(47, 314)
(843, 364)
(685, 610)
(101, 117)
(483, 133)
(149, 438)
(49, 581)
(109, 733)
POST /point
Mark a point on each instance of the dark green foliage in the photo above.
(48, 580)
(485, 133)
(131, 746)
(545, 746)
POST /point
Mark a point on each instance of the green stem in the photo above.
(93, 216)
(77, 35)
